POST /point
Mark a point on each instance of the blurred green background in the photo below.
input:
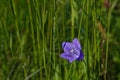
(32, 31)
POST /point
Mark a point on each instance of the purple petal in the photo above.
(63, 44)
(69, 56)
(81, 56)
(76, 43)
(67, 46)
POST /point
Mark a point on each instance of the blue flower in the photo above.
(72, 51)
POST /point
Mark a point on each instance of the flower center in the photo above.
(71, 50)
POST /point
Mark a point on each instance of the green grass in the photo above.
(32, 31)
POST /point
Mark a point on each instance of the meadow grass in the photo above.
(32, 32)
